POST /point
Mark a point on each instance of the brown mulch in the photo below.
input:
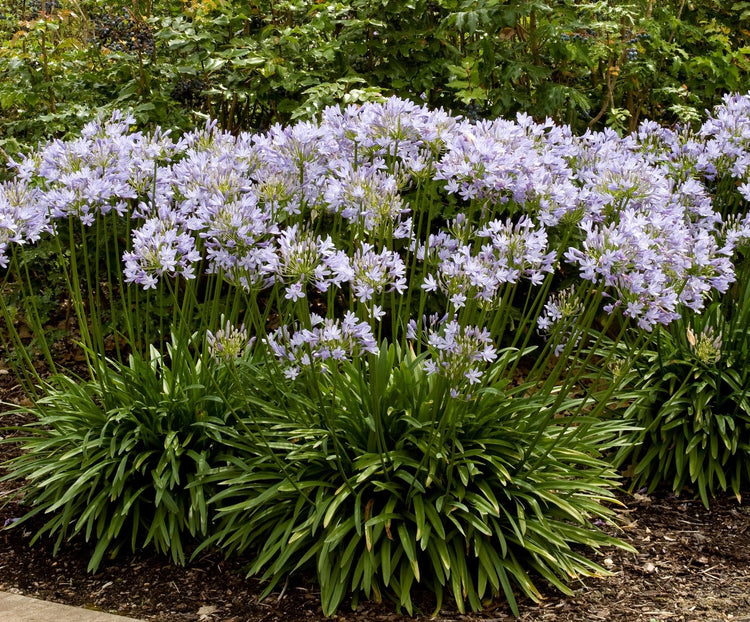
(693, 564)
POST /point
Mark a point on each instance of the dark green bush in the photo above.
(121, 459)
(694, 403)
(384, 482)
(582, 63)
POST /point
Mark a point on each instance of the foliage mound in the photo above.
(384, 483)
(121, 459)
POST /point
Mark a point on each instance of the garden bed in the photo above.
(397, 349)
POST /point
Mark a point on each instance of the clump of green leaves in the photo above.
(383, 481)
(120, 460)
(693, 403)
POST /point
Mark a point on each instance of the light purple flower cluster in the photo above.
(303, 259)
(517, 250)
(327, 341)
(375, 273)
(21, 219)
(238, 237)
(356, 205)
(102, 170)
(160, 248)
(367, 196)
(500, 252)
(682, 154)
(396, 130)
(458, 354)
(649, 239)
(520, 165)
(726, 136)
(720, 148)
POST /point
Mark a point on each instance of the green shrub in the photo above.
(383, 481)
(121, 459)
(694, 404)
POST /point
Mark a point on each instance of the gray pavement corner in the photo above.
(18, 608)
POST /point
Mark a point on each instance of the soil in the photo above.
(692, 564)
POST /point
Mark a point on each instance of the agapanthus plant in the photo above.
(325, 244)
(692, 383)
(382, 482)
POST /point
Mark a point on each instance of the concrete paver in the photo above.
(17, 608)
